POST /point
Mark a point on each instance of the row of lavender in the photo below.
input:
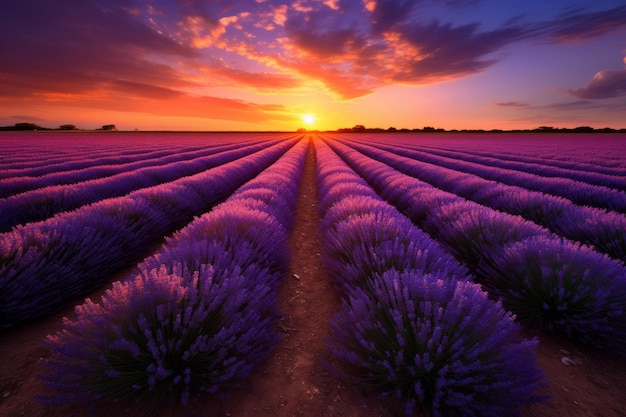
(411, 323)
(611, 177)
(549, 282)
(195, 317)
(46, 264)
(79, 168)
(28, 154)
(45, 202)
(593, 153)
(578, 192)
(605, 230)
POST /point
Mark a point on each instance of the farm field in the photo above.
(304, 240)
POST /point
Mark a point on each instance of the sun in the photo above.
(308, 119)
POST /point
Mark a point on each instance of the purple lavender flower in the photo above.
(364, 245)
(159, 340)
(435, 344)
(470, 231)
(196, 318)
(558, 285)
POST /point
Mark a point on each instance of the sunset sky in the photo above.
(263, 64)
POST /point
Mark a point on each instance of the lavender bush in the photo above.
(44, 264)
(561, 286)
(338, 191)
(350, 205)
(44, 202)
(364, 245)
(231, 235)
(411, 325)
(469, 231)
(605, 232)
(435, 344)
(197, 316)
(159, 340)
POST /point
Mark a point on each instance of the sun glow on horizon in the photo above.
(308, 119)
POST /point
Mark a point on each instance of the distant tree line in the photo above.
(429, 129)
(34, 127)
(361, 128)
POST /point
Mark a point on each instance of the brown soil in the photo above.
(292, 381)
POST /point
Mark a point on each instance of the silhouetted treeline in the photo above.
(24, 126)
(429, 129)
(362, 129)
(34, 127)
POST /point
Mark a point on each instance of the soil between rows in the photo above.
(293, 381)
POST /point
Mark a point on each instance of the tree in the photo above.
(67, 127)
(26, 126)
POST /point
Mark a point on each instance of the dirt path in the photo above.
(293, 381)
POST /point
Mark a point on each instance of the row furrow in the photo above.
(196, 317)
(20, 184)
(45, 202)
(548, 282)
(411, 324)
(576, 191)
(605, 230)
(616, 180)
(44, 265)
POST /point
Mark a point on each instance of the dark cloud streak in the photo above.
(582, 26)
(514, 104)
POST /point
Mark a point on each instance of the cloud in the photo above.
(261, 80)
(582, 26)
(572, 105)
(162, 50)
(445, 51)
(80, 50)
(514, 104)
(389, 42)
(566, 106)
(219, 108)
(605, 84)
(116, 57)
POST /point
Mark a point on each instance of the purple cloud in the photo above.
(514, 104)
(582, 26)
(394, 43)
(450, 51)
(166, 48)
(605, 84)
(63, 50)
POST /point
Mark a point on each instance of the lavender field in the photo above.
(447, 252)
